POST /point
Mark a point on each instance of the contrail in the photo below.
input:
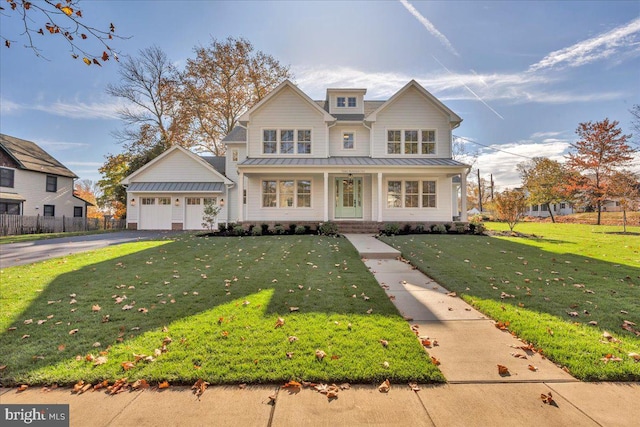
(469, 89)
(429, 26)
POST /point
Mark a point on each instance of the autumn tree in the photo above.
(601, 149)
(114, 196)
(478, 194)
(63, 20)
(89, 191)
(624, 187)
(544, 180)
(510, 206)
(224, 80)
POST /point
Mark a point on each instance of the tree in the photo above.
(624, 187)
(149, 83)
(210, 214)
(224, 80)
(114, 195)
(544, 180)
(64, 19)
(89, 191)
(475, 192)
(510, 206)
(600, 150)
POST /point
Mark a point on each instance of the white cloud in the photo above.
(83, 164)
(61, 145)
(81, 110)
(8, 107)
(429, 26)
(620, 40)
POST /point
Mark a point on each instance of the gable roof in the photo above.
(237, 134)
(219, 163)
(29, 156)
(453, 117)
(192, 155)
(286, 84)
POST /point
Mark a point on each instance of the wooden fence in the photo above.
(20, 224)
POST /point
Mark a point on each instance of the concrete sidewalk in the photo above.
(469, 349)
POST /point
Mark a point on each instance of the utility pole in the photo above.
(492, 187)
(479, 192)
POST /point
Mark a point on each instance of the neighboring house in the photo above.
(542, 211)
(34, 183)
(296, 160)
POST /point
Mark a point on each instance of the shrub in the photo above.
(292, 228)
(448, 226)
(265, 228)
(256, 231)
(391, 229)
(439, 228)
(279, 229)
(406, 229)
(419, 228)
(476, 226)
(238, 230)
(222, 228)
(300, 229)
(328, 229)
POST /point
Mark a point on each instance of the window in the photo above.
(286, 141)
(394, 141)
(348, 141)
(341, 101)
(563, 205)
(428, 194)
(304, 194)
(148, 201)
(286, 194)
(304, 141)
(52, 183)
(406, 194)
(49, 210)
(234, 155)
(210, 200)
(9, 208)
(544, 208)
(410, 142)
(193, 201)
(78, 211)
(394, 194)
(428, 142)
(269, 194)
(164, 201)
(6, 177)
(352, 101)
(411, 194)
(534, 208)
(270, 141)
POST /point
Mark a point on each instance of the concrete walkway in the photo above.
(469, 349)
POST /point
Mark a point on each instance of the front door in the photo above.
(348, 197)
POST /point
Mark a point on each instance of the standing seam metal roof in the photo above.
(215, 187)
(350, 161)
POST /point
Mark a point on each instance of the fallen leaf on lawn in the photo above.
(163, 385)
(414, 387)
(127, 365)
(292, 384)
(593, 323)
(435, 361)
(293, 338)
(143, 310)
(279, 322)
(199, 387)
(78, 386)
(549, 331)
(611, 358)
(452, 294)
(503, 370)
(320, 354)
(89, 357)
(503, 326)
(370, 311)
(294, 309)
(385, 364)
(384, 343)
(384, 387)
(73, 331)
(289, 355)
(345, 386)
(140, 384)
(28, 321)
(101, 360)
(23, 387)
(547, 398)
(635, 356)
(532, 368)
(25, 336)
(426, 342)
(606, 335)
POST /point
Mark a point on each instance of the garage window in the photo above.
(211, 200)
(164, 200)
(148, 201)
(193, 200)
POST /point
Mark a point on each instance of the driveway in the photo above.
(38, 250)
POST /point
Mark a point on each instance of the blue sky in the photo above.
(522, 75)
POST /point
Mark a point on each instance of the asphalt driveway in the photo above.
(38, 250)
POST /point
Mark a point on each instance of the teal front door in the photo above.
(348, 197)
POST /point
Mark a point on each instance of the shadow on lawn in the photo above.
(180, 279)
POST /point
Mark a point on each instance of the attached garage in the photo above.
(194, 211)
(155, 213)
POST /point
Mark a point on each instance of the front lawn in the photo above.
(227, 310)
(561, 287)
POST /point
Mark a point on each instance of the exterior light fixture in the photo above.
(133, 202)
(177, 202)
(221, 202)
(350, 178)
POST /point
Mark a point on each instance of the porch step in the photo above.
(367, 227)
(371, 248)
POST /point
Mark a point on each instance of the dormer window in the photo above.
(351, 101)
(341, 101)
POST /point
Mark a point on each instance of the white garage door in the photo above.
(195, 211)
(155, 213)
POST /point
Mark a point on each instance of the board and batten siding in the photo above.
(361, 141)
(32, 186)
(287, 110)
(412, 111)
(177, 167)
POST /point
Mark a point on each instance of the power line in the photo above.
(491, 148)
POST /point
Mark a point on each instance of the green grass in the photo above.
(218, 299)
(45, 236)
(589, 271)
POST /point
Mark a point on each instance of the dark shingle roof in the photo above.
(368, 107)
(218, 163)
(216, 187)
(237, 134)
(350, 161)
(31, 157)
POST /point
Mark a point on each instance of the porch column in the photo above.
(463, 197)
(240, 196)
(380, 201)
(325, 214)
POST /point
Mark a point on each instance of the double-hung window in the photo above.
(270, 141)
(49, 210)
(77, 211)
(269, 194)
(411, 192)
(7, 177)
(351, 101)
(394, 141)
(428, 194)
(348, 141)
(286, 193)
(304, 141)
(428, 142)
(410, 142)
(340, 101)
(52, 183)
(286, 141)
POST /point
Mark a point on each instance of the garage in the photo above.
(194, 211)
(155, 213)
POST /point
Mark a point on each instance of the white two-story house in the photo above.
(296, 160)
(33, 183)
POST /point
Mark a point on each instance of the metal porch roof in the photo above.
(213, 187)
